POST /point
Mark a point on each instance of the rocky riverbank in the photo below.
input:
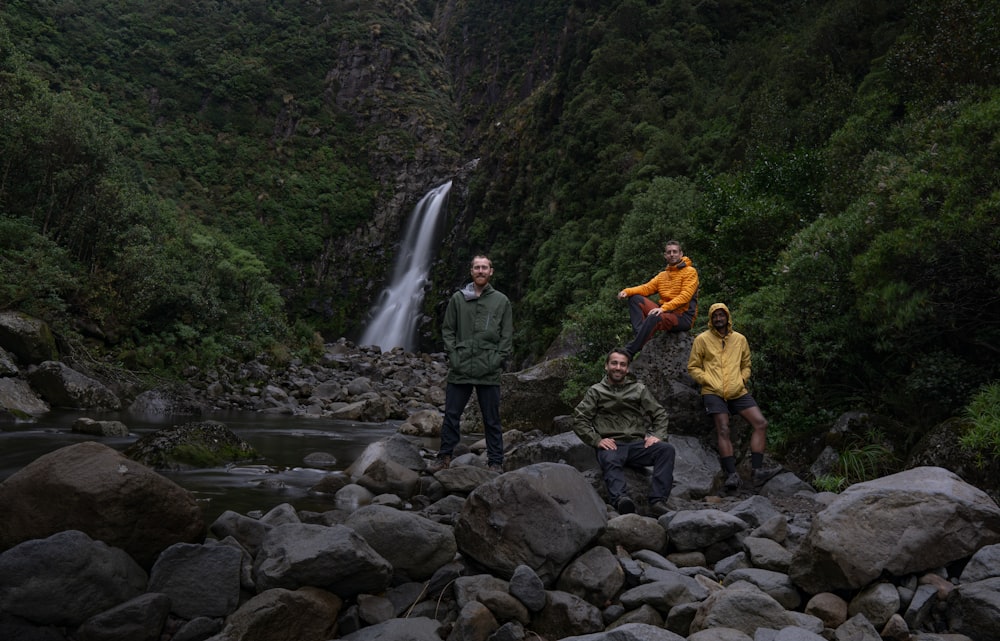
(472, 555)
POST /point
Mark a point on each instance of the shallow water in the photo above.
(280, 477)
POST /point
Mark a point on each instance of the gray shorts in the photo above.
(716, 405)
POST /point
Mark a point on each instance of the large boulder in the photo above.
(902, 524)
(530, 398)
(662, 366)
(27, 338)
(541, 516)
(66, 578)
(63, 386)
(114, 499)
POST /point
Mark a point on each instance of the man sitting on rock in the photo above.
(620, 417)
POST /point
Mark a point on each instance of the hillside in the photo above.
(183, 181)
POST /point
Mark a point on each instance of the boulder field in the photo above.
(103, 548)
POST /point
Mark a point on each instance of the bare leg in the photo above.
(758, 438)
(725, 445)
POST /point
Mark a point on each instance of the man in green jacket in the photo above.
(477, 333)
(627, 426)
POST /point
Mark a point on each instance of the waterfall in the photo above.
(397, 310)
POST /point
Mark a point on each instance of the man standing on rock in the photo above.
(477, 332)
(677, 288)
(720, 363)
(620, 417)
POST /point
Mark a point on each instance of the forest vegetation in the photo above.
(185, 181)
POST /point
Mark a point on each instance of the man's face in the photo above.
(616, 367)
(673, 254)
(481, 271)
(720, 319)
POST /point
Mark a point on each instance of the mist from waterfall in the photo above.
(398, 308)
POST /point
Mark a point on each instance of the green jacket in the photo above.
(626, 412)
(478, 335)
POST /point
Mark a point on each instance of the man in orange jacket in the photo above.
(677, 288)
(720, 363)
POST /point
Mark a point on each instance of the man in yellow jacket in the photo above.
(720, 363)
(677, 288)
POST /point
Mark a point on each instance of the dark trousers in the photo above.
(644, 325)
(660, 455)
(456, 397)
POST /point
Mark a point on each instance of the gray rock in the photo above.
(595, 576)
(920, 606)
(528, 588)
(99, 428)
(200, 580)
(115, 500)
(248, 532)
(541, 516)
(795, 633)
(17, 398)
(984, 564)
(29, 339)
(719, 634)
(191, 445)
(375, 609)
(284, 615)
(66, 578)
(777, 585)
(767, 554)
(869, 529)
(410, 629)
(697, 529)
(857, 628)
(630, 632)
(974, 608)
(634, 532)
(672, 589)
(829, 608)
(474, 623)
(741, 607)
(139, 619)
(877, 602)
(334, 558)
(62, 386)
(566, 615)
(197, 629)
(414, 545)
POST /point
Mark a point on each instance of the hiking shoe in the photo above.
(732, 482)
(624, 505)
(495, 467)
(762, 475)
(658, 508)
(442, 463)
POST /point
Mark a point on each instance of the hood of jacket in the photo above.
(711, 310)
(469, 291)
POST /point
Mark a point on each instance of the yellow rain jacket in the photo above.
(720, 364)
(676, 285)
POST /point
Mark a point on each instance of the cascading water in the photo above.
(397, 311)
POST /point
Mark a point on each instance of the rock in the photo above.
(171, 401)
(828, 608)
(742, 607)
(984, 564)
(305, 614)
(62, 386)
(191, 445)
(27, 338)
(140, 619)
(974, 608)
(566, 615)
(66, 578)
(630, 632)
(531, 398)
(115, 500)
(541, 516)
(99, 428)
(696, 529)
(662, 366)
(870, 529)
(595, 576)
(424, 423)
(200, 580)
(411, 629)
(528, 588)
(18, 399)
(877, 603)
(415, 546)
(333, 558)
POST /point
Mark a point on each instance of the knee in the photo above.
(760, 425)
(665, 449)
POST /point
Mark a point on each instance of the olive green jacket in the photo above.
(626, 412)
(478, 335)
